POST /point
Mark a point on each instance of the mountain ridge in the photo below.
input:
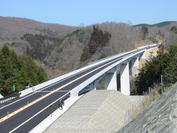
(13, 27)
(160, 24)
(58, 48)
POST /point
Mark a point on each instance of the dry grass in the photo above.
(137, 108)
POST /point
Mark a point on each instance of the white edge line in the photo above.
(35, 114)
(30, 95)
(64, 78)
(41, 127)
(56, 100)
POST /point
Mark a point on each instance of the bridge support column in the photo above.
(90, 87)
(124, 78)
(96, 83)
(135, 66)
(110, 80)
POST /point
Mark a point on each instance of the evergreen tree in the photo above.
(144, 32)
(174, 29)
(18, 71)
(86, 54)
(98, 39)
(153, 69)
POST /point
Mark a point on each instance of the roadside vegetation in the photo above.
(146, 101)
(162, 64)
(17, 72)
(157, 75)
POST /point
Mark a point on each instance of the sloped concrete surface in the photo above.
(159, 117)
(99, 111)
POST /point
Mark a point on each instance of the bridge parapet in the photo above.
(130, 55)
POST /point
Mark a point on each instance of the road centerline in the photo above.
(50, 93)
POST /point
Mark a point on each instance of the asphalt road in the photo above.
(28, 118)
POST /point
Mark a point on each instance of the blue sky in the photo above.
(87, 12)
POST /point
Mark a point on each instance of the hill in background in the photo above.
(14, 28)
(161, 24)
(59, 48)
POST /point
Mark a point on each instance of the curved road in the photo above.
(24, 113)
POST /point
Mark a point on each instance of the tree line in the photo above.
(162, 64)
(17, 72)
(98, 39)
(40, 45)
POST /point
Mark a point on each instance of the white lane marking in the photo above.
(30, 94)
(43, 88)
(28, 105)
(35, 101)
(52, 90)
(48, 94)
(35, 115)
(39, 91)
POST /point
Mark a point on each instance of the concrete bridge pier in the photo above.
(91, 86)
(124, 78)
(110, 79)
(135, 65)
(95, 83)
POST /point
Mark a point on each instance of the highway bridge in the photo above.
(22, 114)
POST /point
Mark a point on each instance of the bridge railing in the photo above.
(55, 80)
(75, 90)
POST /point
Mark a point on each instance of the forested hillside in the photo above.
(40, 45)
(98, 39)
(60, 49)
(17, 72)
(14, 28)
